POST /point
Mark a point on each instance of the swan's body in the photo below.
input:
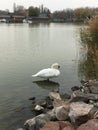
(49, 72)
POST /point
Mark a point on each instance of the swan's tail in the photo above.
(34, 75)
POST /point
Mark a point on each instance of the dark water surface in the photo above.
(24, 50)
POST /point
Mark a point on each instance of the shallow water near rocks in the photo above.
(24, 50)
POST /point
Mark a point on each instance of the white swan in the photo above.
(49, 72)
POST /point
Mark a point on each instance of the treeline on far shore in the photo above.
(76, 15)
(67, 15)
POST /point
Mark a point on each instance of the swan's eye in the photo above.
(58, 66)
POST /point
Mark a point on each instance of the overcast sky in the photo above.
(51, 4)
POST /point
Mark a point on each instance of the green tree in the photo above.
(33, 11)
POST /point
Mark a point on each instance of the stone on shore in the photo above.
(65, 96)
(61, 109)
(92, 86)
(37, 122)
(41, 121)
(58, 103)
(75, 88)
(89, 96)
(20, 129)
(52, 115)
(54, 95)
(49, 103)
(65, 125)
(51, 126)
(39, 108)
(79, 99)
(59, 125)
(79, 112)
(94, 89)
(58, 110)
(32, 98)
(89, 125)
(30, 124)
(61, 113)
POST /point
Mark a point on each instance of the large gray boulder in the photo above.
(37, 122)
(61, 109)
(62, 113)
(79, 112)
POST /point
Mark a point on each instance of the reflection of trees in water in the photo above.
(88, 67)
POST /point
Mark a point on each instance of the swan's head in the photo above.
(55, 66)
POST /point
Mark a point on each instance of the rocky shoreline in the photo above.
(78, 111)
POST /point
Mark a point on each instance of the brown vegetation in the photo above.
(89, 39)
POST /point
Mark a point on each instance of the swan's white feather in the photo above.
(47, 73)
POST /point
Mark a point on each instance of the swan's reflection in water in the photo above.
(47, 84)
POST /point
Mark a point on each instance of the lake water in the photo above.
(24, 50)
